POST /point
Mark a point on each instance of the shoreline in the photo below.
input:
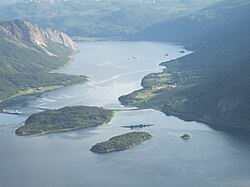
(59, 130)
(137, 99)
(56, 131)
(22, 96)
(214, 124)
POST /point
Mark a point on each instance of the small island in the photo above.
(121, 142)
(64, 119)
(185, 136)
(132, 58)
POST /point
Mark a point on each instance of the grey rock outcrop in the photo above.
(34, 36)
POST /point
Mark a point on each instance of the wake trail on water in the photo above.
(96, 83)
(92, 86)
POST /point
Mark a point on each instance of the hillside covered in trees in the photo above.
(28, 54)
(210, 85)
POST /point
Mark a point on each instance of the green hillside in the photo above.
(25, 67)
(206, 25)
(212, 84)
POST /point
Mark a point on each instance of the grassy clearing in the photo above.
(36, 90)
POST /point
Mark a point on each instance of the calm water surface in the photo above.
(209, 159)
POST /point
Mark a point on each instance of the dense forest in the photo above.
(121, 142)
(64, 119)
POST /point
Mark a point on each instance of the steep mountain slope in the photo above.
(212, 84)
(28, 53)
(88, 18)
(199, 27)
(32, 35)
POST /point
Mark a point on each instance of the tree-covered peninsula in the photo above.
(121, 142)
(210, 85)
(64, 119)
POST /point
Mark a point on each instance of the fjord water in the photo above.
(209, 158)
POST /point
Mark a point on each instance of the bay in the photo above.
(209, 158)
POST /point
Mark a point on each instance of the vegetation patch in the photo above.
(121, 142)
(64, 119)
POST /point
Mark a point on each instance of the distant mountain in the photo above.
(212, 84)
(28, 53)
(90, 18)
(199, 27)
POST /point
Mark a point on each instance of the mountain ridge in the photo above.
(99, 19)
(31, 34)
(191, 30)
(28, 55)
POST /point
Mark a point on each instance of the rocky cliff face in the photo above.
(59, 37)
(33, 36)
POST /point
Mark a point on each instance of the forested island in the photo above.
(121, 142)
(64, 119)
